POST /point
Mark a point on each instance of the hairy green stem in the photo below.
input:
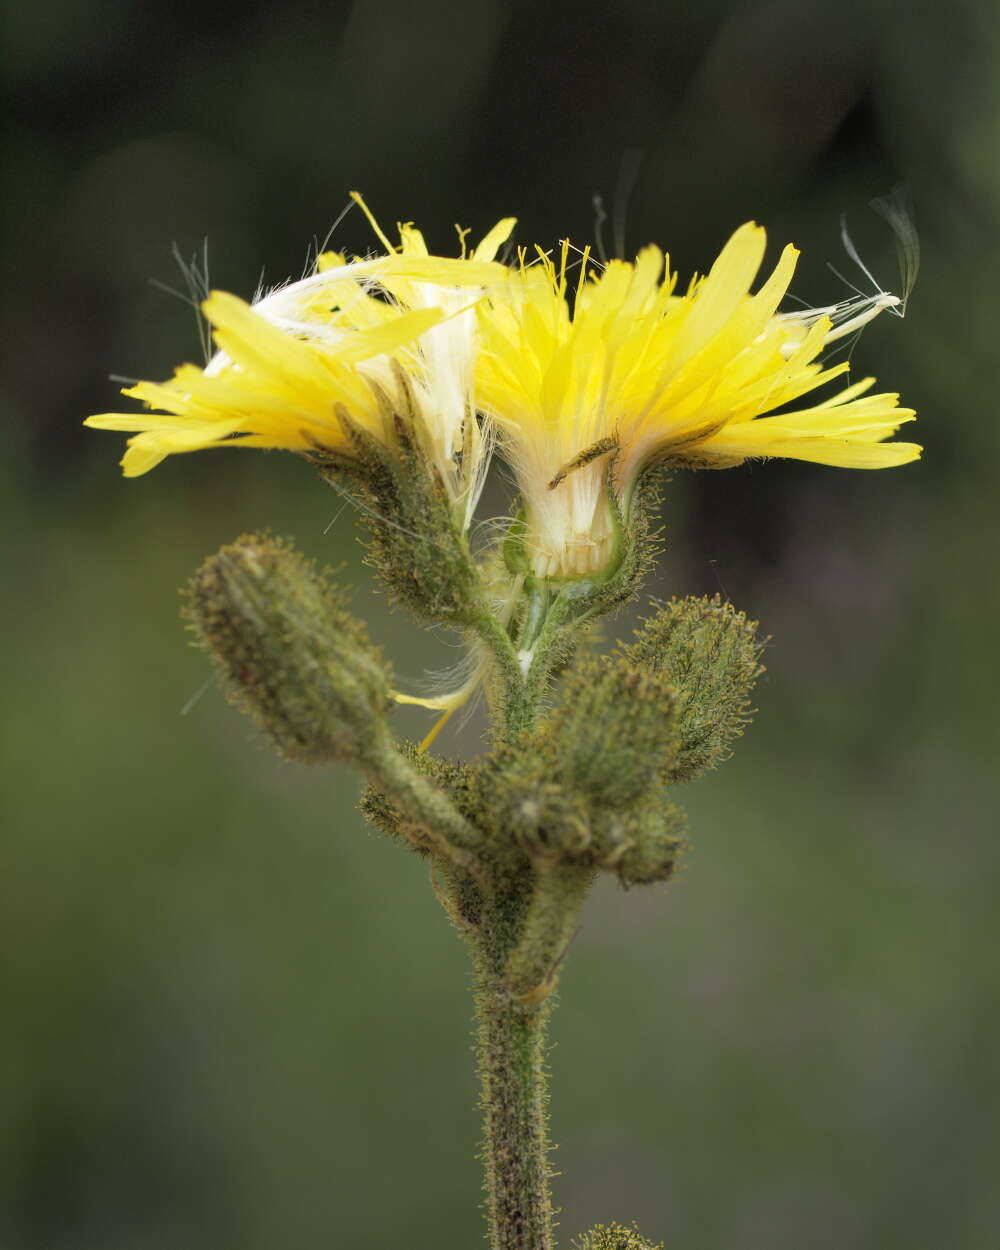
(511, 1055)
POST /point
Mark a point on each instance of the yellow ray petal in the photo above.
(727, 283)
(250, 340)
(494, 239)
(846, 453)
(146, 450)
(412, 240)
(129, 421)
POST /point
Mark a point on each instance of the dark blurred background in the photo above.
(235, 1018)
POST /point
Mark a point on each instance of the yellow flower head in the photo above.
(345, 336)
(604, 378)
(623, 371)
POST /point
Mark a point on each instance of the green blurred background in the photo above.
(235, 1018)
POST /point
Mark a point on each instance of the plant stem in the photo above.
(512, 1073)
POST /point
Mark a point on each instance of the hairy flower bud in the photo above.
(525, 803)
(651, 841)
(614, 1237)
(287, 650)
(577, 787)
(613, 730)
(710, 654)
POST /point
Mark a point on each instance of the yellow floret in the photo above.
(624, 367)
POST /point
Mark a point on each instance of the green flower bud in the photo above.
(523, 802)
(287, 650)
(568, 790)
(651, 841)
(710, 654)
(615, 1237)
(613, 730)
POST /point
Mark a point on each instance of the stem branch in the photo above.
(440, 820)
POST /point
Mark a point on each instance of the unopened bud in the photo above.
(523, 800)
(710, 654)
(615, 1237)
(614, 730)
(567, 790)
(288, 651)
(652, 835)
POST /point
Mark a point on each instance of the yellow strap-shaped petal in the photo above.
(495, 239)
